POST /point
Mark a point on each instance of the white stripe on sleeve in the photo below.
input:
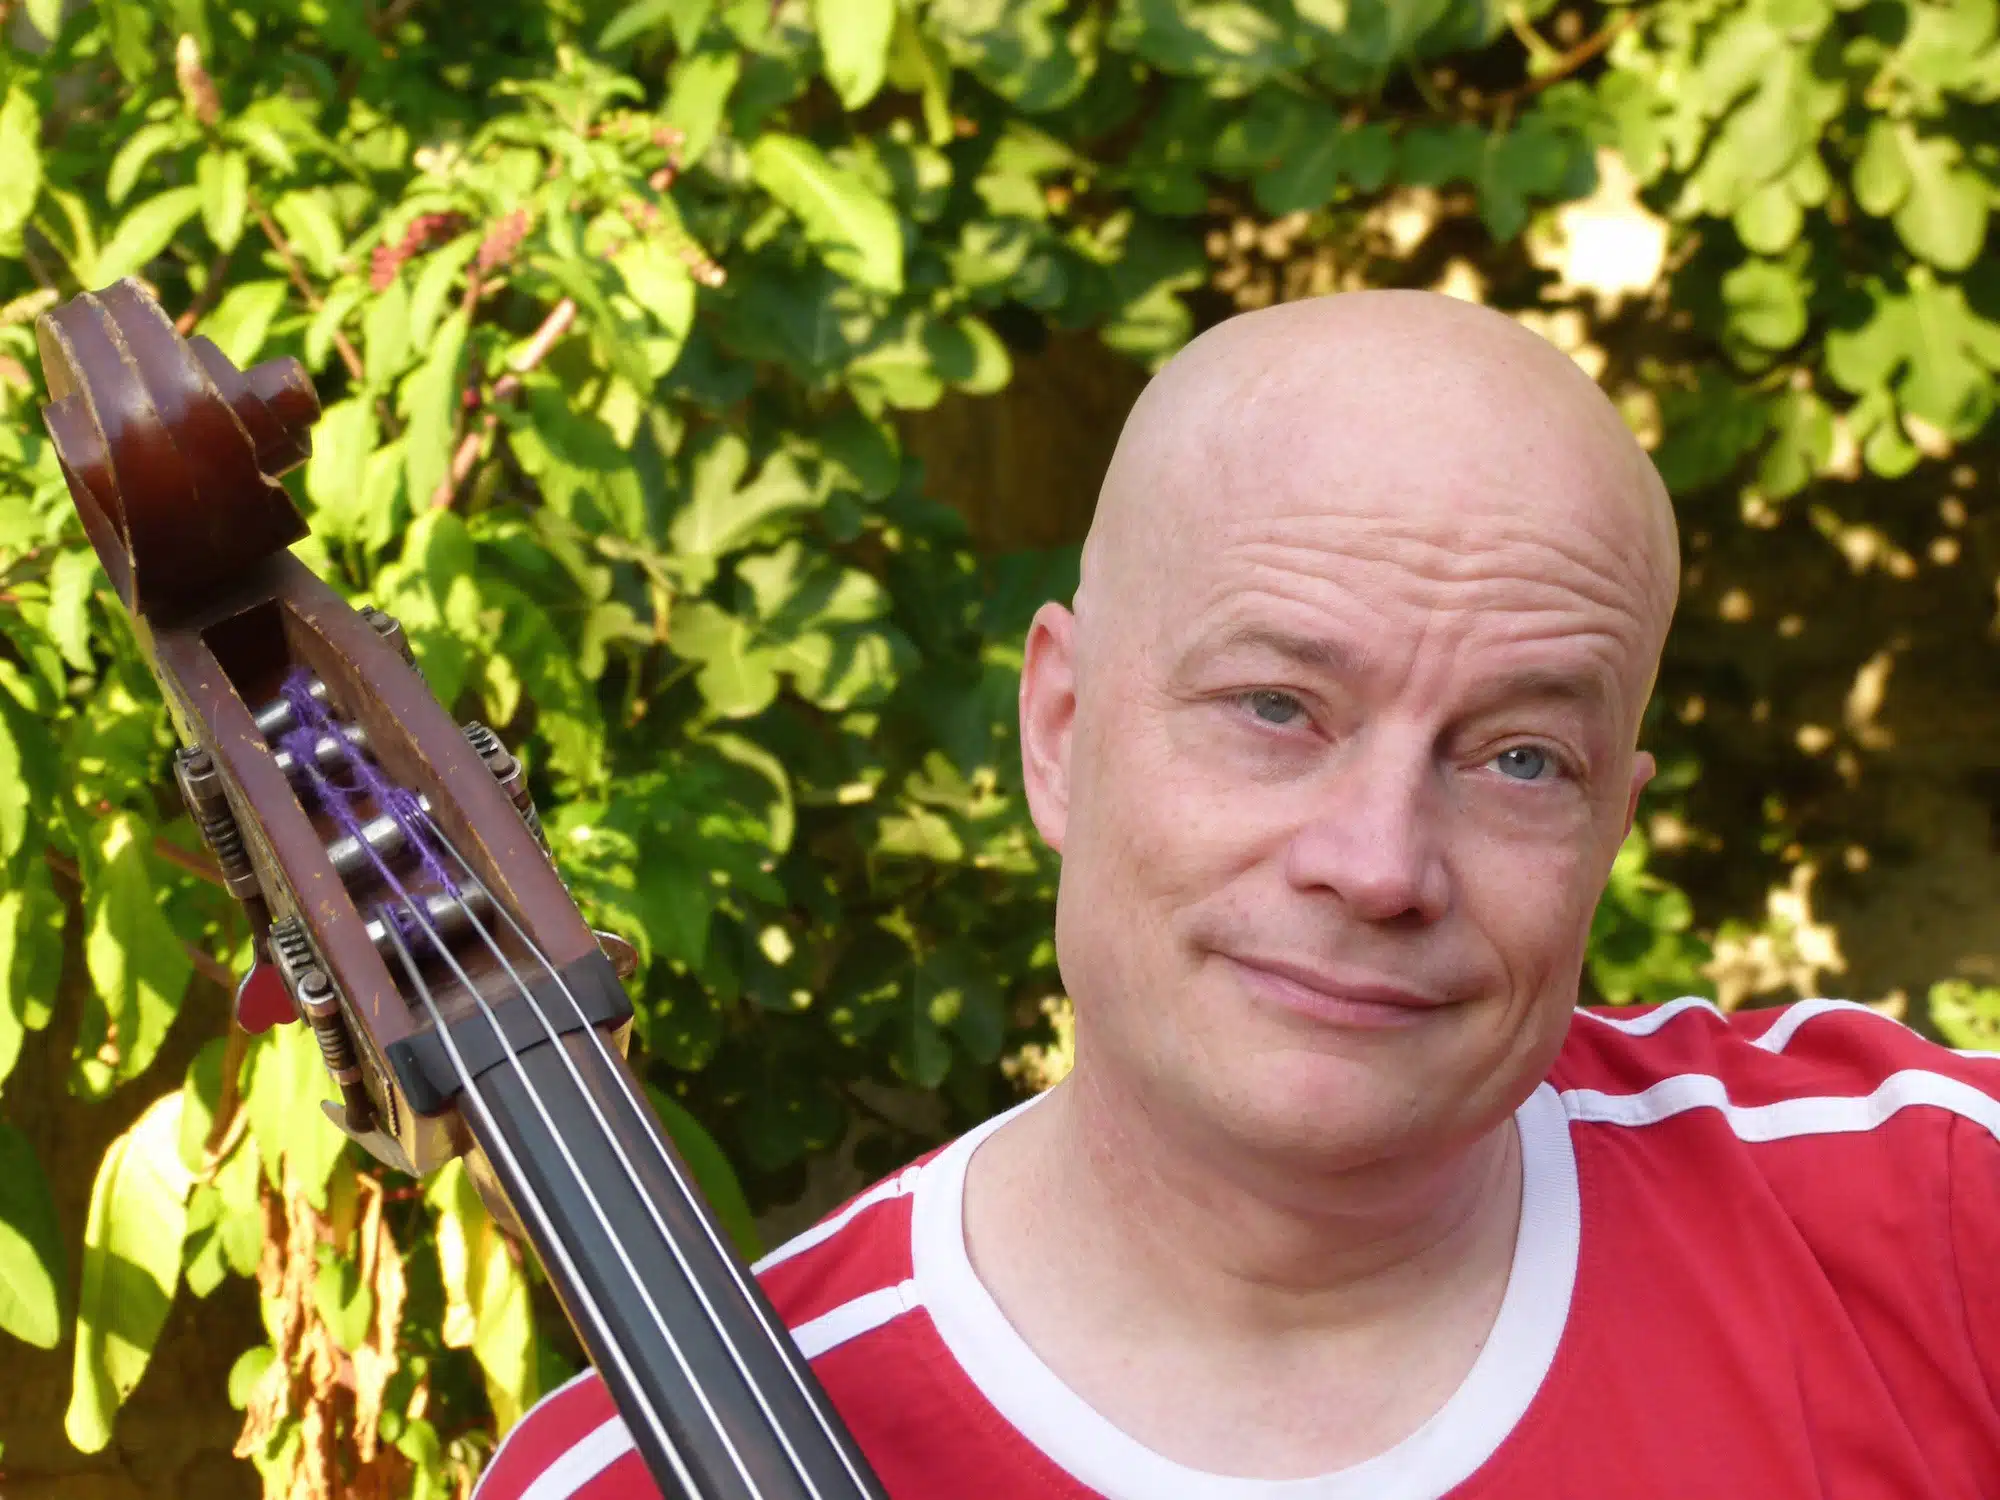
(903, 1183)
(852, 1319)
(1787, 1118)
(586, 1458)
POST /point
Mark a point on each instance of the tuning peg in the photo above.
(264, 1000)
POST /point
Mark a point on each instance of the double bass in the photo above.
(405, 904)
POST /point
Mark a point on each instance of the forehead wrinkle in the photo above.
(1438, 570)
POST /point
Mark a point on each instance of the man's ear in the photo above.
(1642, 772)
(1048, 715)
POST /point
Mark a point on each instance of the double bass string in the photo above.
(338, 802)
(673, 1171)
(534, 1202)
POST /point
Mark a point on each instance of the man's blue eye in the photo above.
(1522, 763)
(1273, 707)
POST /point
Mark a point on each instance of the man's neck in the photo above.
(1151, 1272)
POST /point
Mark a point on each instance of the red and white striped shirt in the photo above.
(1759, 1258)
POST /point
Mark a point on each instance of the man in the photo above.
(1344, 1198)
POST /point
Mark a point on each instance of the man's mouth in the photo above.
(1332, 996)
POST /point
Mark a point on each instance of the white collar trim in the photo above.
(1438, 1456)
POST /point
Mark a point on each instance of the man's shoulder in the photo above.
(853, 1257)
(847, 1275)
(1814, 1068)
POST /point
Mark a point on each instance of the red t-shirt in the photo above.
(1759, 1258)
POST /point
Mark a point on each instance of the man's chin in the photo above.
(1327, 1109)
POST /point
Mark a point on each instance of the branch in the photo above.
(193, 862)
(280, 244)
(210, 290)
(1564, 65)
(506, 388)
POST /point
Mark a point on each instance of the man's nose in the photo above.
(1373, 836)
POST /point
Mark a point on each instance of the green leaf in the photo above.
(687, 17)
(700, 94)
(661, 284)
(288, 1080)
(1882, 171)
(31, 1259)
(719, 515)
(224, 178)
(343, 1299)
(314, 233)
(1766, 303)
(1943, 217)
(1023, 50)
(28, 778)
(917, 66)
(31, 950)
(1802, 429)
(21, 149)
(1769, 220)
(712, 1173)
(386, 344)
(130, 23)
(1231, 45)
(46, 16)
(242, 320)
(131, 1267)
(434, 284)
(135, 958)
(969, 355)
(737, 678)
(487, 1307)
(73, 577)
(856, 230)
(343, 439)
(1949, 382)
(144, 232)
(1966, 1015)
(1305, 176)
(431, 398)
(138, 151)
(854, 44)
(332, 314)
(201, 1094)
(247, 1372)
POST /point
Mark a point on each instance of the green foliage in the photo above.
(1966, 1015)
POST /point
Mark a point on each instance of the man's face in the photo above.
(1341, 780)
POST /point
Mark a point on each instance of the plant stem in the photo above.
(506, 388)
(349, 355)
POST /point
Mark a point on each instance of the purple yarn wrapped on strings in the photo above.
(340, 802)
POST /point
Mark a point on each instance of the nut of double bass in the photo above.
(201, 790)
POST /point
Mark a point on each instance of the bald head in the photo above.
(1347, 708)
(1389, 402)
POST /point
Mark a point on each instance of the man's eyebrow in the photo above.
(1315, 652)
(1588, 688)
